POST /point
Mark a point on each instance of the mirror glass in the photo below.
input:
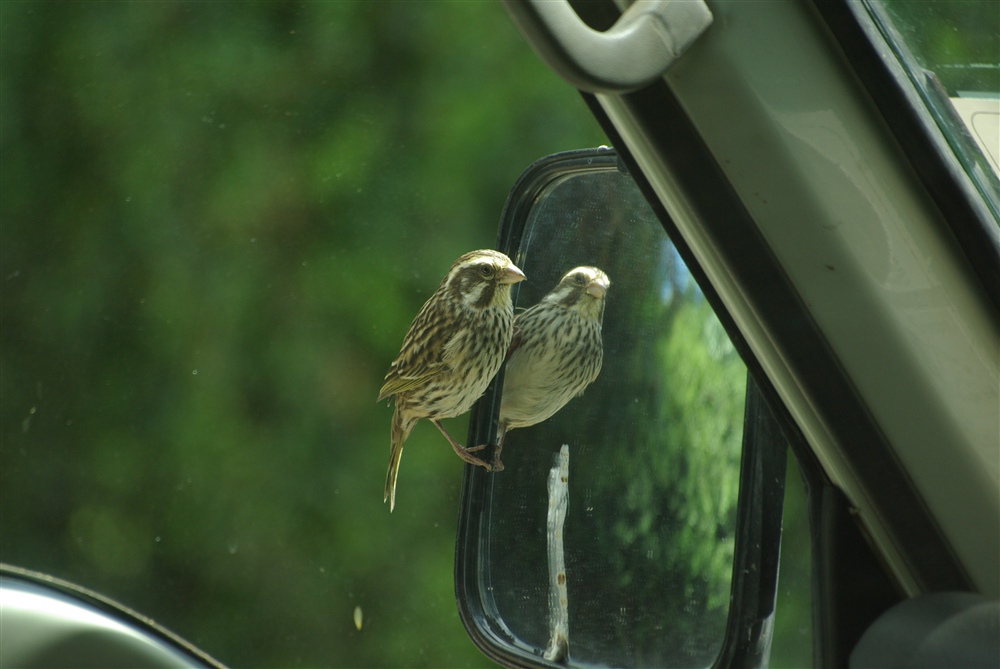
(653, 446)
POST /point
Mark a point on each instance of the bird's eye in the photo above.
(485, 271)
(579, 279)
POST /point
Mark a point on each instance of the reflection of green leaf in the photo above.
(701, 428)
(668, 536)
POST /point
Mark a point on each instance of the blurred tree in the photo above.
(217, 222)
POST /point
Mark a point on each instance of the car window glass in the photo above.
(791, 645)
(951, 51)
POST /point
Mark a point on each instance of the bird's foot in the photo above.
(495, 466)
(473, 460)
(462, 451)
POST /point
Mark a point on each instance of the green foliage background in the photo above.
(217, 222)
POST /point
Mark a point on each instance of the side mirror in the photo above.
(640, 525)
(48, 622)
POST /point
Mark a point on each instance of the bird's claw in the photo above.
(495, 466)
(471, 459)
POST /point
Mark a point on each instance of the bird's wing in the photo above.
(523, 322)
(400, 383)
(515, 341)
(422, 355)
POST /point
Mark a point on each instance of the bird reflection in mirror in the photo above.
(557, 352)
(452, 351)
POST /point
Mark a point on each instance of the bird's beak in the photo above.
(597, 288)
(512, 275)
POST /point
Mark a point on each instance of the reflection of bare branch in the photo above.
(558, 647)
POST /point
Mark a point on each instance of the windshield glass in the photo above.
(219, 220)
(951, 51)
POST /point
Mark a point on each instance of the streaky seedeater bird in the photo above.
(557, 353)
(452, 351)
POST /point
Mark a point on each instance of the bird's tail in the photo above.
(400, 431)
